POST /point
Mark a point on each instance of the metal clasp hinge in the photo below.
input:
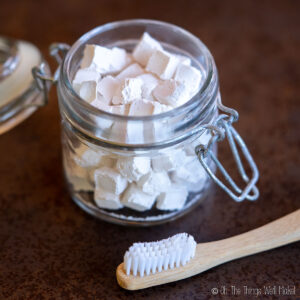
(59, 51)
(40, 75)
(43, 82)
(223, 127)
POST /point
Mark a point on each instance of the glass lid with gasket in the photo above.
(20, 95)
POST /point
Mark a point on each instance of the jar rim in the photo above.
(65, 67)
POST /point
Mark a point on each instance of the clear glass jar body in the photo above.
(158, 162)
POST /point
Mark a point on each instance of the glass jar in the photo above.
(145, 170)
(150, 156)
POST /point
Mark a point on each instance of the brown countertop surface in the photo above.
(50, 249)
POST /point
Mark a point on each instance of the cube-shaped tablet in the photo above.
(163, 163)
(173, 199)
(190, 174)
(105, 199)
(136, 199)
(128, 91)
(171, 92)
(103, 59)
(110, 180)
(154, 183)
(163, 64)
(87, 90)
(105, 161)
(149, 83)
(189, 171)
(119, 59)
(167, 161)
(144, 49)
(129, 60)
(133, 168)
(131, 71)
(189, 76)
(76, 175)
(86, 157)
(83, 75)
(107, 87)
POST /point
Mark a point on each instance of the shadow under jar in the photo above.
(165, 142)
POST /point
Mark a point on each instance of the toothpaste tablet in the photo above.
(107, 87)
(154, 183)
(86, 157)
(132, 71)
(110, 180)
(105, 199)
(136, 199)
(144, 49)
(87, 91)
(133, 168)
(128, 91)
(189, 76)
(172, 199)
(163, 64)
(171, 92)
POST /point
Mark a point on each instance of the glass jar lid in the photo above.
(19, 94)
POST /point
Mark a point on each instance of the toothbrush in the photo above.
(179, 257)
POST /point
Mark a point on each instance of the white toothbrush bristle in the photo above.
(145, 258)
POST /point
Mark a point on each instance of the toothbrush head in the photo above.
(143, 258)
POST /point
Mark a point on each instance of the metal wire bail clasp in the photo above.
(42, 75)
(43, 80)
(59, 51)
(223, 127)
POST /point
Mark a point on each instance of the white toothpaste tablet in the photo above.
(136, 199)
(154, 183)
(87, 157)
(84, 75)
(149, 83)
(105, 199)
(77, 176)
(131, 71)
(107, 87)
(144, 49)
(189, 76)
(104, 60)
(110, 180)
(171, 92)
(128, 91)
(173, 198)
(133, 168)
(163, 64)
(87, 91)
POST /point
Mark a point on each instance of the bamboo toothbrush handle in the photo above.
(275, 234)
(208, 255)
